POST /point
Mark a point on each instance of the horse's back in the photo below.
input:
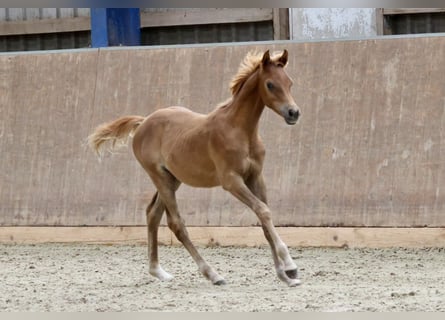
(178, 117)
(169, 121)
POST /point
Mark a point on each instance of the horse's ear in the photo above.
(283, 58)
(266, 58)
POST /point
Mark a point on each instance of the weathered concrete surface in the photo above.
(367, 152)
(332, 23)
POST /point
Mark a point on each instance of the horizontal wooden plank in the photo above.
(45, 26)
(234, 236)
(148, 19)
(388, 11)
(204, 16)
(99, 235)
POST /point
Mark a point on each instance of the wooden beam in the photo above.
(284, 23)
(281, 23)
(9, 28)
(174, 17)
(388, 11)
(182, 17)
(379, 21)
(276, 24)
(234, 236)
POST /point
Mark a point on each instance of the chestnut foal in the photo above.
(223, 148)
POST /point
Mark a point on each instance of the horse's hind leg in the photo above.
(154, 214)
(165, 182)
(176, 224)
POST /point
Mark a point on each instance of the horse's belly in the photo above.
(194, 175)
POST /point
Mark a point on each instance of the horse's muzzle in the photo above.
(290, 114)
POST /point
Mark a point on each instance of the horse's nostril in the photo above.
(294, 113)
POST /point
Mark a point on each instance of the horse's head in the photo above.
(274, 87)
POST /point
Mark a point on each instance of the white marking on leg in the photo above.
(160, 273)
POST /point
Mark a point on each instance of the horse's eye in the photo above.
(270, 85)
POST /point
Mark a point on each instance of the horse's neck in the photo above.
(246, 107)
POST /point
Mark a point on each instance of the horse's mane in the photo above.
(249, 65)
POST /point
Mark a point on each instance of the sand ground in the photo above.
(79, 277)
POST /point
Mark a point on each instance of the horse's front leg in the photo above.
(256, 185)
(282, 259)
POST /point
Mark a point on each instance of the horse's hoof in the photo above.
(220, 282)
(294, 282)
(292, 274)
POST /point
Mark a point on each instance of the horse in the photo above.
(175, 145)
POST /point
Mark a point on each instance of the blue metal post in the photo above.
(99, 27)
(115, 27)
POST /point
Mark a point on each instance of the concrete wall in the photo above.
(330, 23)
(367, 152)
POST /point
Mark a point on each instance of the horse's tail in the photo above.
(113, 134)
